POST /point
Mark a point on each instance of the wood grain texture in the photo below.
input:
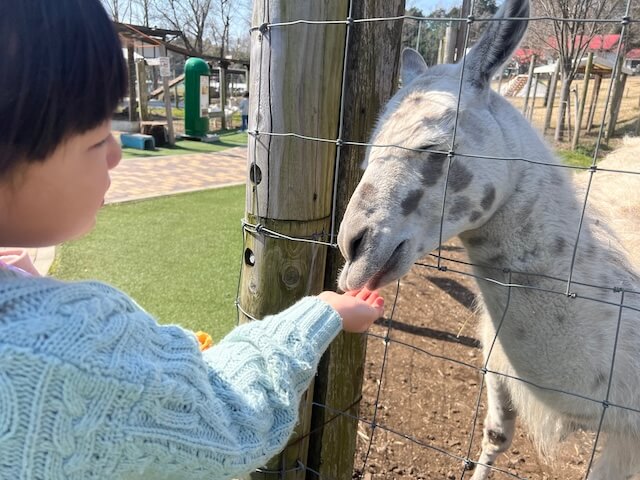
(372, 78)
(295, 87)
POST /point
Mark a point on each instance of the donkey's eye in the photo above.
(427, 146)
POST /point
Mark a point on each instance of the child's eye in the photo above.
(101, 143)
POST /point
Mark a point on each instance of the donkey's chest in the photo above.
(547, 338)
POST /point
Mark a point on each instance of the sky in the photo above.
(427, 6)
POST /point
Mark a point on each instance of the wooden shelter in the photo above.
(599, 66)
(152, 43)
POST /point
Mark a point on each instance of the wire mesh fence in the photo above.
(424, 395)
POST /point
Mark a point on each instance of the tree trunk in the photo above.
(141, 74)
(533, 96)
(131, 65)
(594, 102)
(583, 102)
(450, 44)
(550, 98)
(615, 106)
(223, 93)
(565, 91)
(461, 30)
(527, 88)
(618, 79)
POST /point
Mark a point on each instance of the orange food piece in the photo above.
(205, 340)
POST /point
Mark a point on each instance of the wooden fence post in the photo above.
(461, 30)
(223, 65)
(450, 44)
(527, 88)
(614, 109)
(141, 88)
(131, 67)
(372, 72)
(594, 101)
(583, 101)
(618, 79)
(296, 73)
(551, 97)
(533, 96)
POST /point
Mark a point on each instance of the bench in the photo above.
(137, 140)
(158, 130)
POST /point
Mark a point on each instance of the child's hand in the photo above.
(358, 309)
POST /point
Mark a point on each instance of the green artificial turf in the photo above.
(184, 147)
(179, 257)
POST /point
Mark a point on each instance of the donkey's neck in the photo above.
(536, 227)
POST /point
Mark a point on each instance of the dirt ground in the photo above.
(429, 389)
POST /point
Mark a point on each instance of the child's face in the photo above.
(49, 202)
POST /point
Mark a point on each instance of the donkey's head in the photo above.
(396, 213)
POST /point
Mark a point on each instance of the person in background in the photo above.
(91, 386)
(244, 111)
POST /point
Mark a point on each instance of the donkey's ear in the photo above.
(413, 65)
(498, 42)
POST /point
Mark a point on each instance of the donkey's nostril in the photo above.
(356, 244)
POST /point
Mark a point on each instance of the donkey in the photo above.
(551, 313)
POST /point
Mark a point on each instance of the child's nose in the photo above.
(114, 153)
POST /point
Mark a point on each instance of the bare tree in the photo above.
(207, 25)
(118, 9)
(239, 46)
(221, 25)
(190, 17)
(570, 39)
(144, 11)
(229, 18)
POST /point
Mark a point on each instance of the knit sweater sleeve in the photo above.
(115, 395)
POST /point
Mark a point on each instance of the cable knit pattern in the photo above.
(91, 387)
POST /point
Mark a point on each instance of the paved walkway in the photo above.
(140, 178)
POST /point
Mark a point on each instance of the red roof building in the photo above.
(632, 60)
(523, 55)
(633, 54)
(599, 43)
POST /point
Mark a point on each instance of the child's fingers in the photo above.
(364, 294)
(378, 304)
(361, 294)
(373, 296)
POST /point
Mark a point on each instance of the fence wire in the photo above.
(440, 263)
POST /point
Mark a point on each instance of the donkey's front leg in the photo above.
(619, 459)
(499, 425)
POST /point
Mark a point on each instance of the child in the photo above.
(244, 111)
(91, 387)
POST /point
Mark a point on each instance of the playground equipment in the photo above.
(137, 140)
(196, 99)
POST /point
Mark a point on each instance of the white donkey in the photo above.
(518, 216)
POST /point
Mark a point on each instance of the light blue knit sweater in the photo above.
(91, 387)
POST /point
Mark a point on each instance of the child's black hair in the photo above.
(62, 72)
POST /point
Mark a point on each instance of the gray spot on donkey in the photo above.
(514, 214)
